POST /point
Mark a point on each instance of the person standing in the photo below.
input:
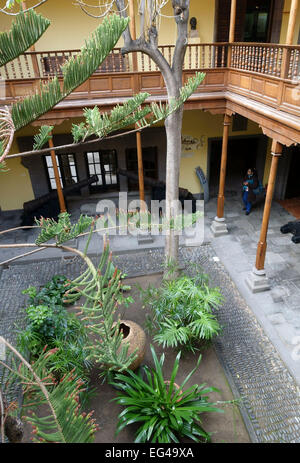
(250, 183)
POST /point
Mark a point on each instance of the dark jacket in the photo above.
(251, 187)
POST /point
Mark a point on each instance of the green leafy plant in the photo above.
(65, 421)
(50, 324)
(25, 31)
(166, 411)
(75, 71)
(62, 230)
(42, 137)
(101, 290)
(181, 311)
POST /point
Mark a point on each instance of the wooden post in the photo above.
(231, 30)
(289, 38)
(276, 152)
(132, 28)
(140, 166)
(60, 194)
(292, 22)
(221, 196)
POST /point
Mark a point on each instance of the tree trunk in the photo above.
(173, 126)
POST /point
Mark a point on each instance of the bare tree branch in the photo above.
(7, 130)
(5, 10)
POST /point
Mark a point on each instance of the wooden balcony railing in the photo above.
(35, 64)
(269, 59)
(266, 73)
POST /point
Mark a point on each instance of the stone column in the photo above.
(257, 280)
(219, 227)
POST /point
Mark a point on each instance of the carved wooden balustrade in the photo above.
(266, 73)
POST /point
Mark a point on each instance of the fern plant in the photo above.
(182, 311)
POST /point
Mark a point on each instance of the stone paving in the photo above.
(278, 310)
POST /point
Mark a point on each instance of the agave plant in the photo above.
(165, 410)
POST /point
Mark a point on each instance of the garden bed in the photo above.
(226, 427)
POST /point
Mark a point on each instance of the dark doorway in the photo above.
(242, 154)
(293, 183)
(149, 164)
(256, 20)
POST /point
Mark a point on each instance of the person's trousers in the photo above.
(247, 203)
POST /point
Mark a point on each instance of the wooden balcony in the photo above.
(262, 81)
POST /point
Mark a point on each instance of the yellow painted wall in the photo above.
(197, 123)
(285, 19)
(15, 185)
(70, 26)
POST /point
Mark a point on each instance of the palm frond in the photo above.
(75, 71)
(25, 32)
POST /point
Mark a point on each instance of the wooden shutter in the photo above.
(223, 8)
(276, 21)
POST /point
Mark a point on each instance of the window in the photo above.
(66, 168)
(104, 164)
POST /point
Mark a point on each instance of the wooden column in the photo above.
(289, 38)
(276, 152)
(231, 30)
(60, 194)
(132, 28)
(140, 166)
(292, 22)
(221, 196)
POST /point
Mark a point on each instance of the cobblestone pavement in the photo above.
(255, 371)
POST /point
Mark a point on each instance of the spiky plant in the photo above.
(25, 32)
(101, 290)
(164, 411)
(75, 71)
(65, 421)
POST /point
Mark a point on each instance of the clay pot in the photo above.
(135, 336)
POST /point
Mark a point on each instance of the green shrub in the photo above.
(166, 412)
(181, 311)
(50, 325)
